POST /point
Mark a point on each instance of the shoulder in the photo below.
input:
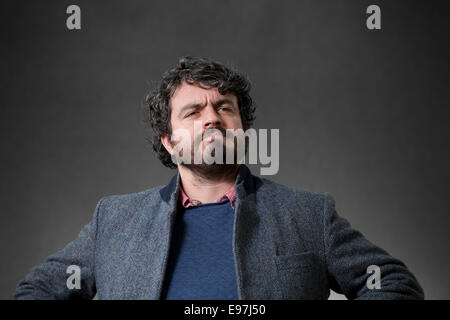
(129, 199)
(289, 204)
(121, 207)
(283, 194)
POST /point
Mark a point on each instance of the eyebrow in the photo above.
(193, 105)
(196, 105)
(222, 101)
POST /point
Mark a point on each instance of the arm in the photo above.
(48, 280)
(348, 254)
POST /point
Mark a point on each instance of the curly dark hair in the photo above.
(202, 72)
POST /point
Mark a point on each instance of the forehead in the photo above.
(191, 93)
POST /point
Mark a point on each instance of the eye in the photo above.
(226, 108)
(190, 114)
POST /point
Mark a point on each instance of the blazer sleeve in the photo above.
(348, 255)
(48, 281)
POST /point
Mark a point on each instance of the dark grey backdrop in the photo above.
(362, 114)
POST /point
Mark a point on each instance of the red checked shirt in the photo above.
(187, 202)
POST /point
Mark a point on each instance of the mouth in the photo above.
(212, 136)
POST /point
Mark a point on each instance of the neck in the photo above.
(207, 188)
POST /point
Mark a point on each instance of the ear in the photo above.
(165, 140)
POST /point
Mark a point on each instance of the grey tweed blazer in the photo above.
(287, 244)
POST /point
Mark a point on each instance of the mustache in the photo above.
(205, 134)
(201, 136)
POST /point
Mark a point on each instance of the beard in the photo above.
(215, 170)
(212, 171)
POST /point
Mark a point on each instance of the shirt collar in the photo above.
(187, 202)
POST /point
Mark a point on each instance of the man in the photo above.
(215, 231)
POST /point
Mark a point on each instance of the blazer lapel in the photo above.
(149, 255)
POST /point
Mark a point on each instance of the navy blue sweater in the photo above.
(201, 262)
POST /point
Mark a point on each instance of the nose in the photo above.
(212, 118)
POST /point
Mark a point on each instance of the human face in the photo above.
(207, 108)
